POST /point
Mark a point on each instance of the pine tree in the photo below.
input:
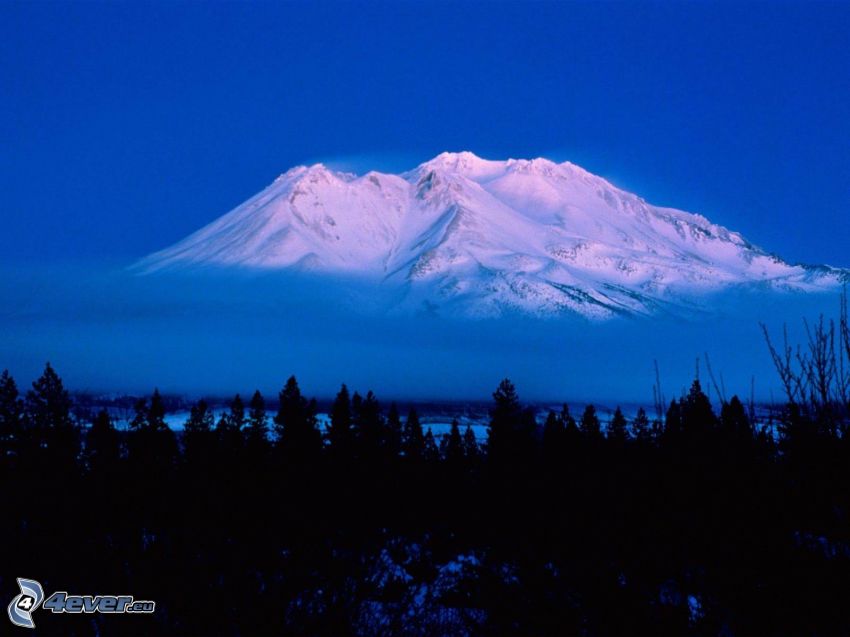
(255, 432)
(256, 428)
(48, 402)
(140, 415)
(571, 431)
(229, 428)
(393, 431)
(296, 425)
(617, 431)
(237, 413)
(156, 412)
(413, 440)
(590, 426)
(48, 409)
(11, 420)
(150, 416)
(200, 419)
(640, 426)
(451, 446)
(198, 433)
(673, 419)
(340, 431)
(734, 420)
(470, 445)
(697, 414)
(371, 426)
(505, 422)
(553, 432)
(151, 444)
(430, 452)
(102, 446)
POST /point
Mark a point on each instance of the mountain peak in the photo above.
(483, 237)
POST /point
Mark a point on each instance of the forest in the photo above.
(697, 519)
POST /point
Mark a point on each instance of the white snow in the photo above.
(480, 238)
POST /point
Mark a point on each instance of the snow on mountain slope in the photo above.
(464, 235)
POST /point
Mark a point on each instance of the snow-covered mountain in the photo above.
(464, 235)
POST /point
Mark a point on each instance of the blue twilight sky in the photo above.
(124, 126)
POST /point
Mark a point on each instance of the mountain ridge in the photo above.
(478, 237)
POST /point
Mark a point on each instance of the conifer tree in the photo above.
(139, 421)
(697, 414)
(641, 427)
(229, 428)
(49, 413)
(156, 412)
(673, 419)
(296, 425)
(470, 445)
(339, 431)
(617, 431)
(505, 422)
(198, 433)
(430, 452)
(571, 430)
(11, 420)
(451, 446)
(553, 432)
(413, 440)
(734, 420)
(371, 426)
(237, 413)
(48, 403)
(151, 445)
(393, 431)
(102, 446)
(590, 426)
(255, 430)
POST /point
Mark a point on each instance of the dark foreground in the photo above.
(695, 523)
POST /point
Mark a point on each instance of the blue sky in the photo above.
(125, 126)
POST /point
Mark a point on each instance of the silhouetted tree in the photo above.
(11, 421)
(505, 422)
(617, 431)
(339, 431)
(571, 431)
(370, 425)
(590, 426)
(553, 431)
(48, 410)
(151, 445)
(470, 445)
(697, 414)
(393, 431)
(296, 426)
(103, 447)
(413, 440)
(673, 419)
(229, 430)
(734, 419)
(451, 446)
(641, 427)
(198, 434)
(256, 429)
(156, 412)
(430, 452)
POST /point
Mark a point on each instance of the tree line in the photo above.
(696, 522)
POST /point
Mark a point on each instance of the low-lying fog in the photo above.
(107, 329)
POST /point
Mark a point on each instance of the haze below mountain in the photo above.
(433, 284)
